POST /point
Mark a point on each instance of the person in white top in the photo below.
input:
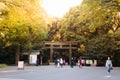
(61, 62)
(58, 62)
(109, 65)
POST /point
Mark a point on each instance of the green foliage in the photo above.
(3, 65)
(96, 24)
(20, 18)
(22, 25)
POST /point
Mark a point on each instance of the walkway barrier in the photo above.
(20, 65)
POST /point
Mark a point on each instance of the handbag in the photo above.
(111, 68)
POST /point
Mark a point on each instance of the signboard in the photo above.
(20, 64)
(95, 62)
(87, 61)
(91, 62)
(33, 59)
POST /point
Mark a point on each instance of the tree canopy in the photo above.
(22, 24)
(95, 24)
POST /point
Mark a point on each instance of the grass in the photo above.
(3, 65)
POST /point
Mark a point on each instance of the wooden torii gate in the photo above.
(70, 45)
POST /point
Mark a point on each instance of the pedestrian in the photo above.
(58, 62)
(72, 63)
(61, 62)
(64, 62)
(37, 62)
(108, 65)
(55, 62)
(80, 62)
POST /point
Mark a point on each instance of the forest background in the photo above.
(95, 24)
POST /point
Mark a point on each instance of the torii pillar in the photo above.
(70, 53)
(51, 53)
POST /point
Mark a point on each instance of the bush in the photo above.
(3, 65)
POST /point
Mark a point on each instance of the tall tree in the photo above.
(22, 25)
(93, 20)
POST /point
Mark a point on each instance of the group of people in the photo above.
(60, 62)
(79, 62)
(108, 64)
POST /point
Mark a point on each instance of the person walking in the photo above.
(80, 62)
(72, 63)
(64, 62)
(37, 62)
(108, 65)
(55, 62)
(58, 62)
(61, 62)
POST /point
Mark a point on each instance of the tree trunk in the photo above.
(17, 57)
(29, 52)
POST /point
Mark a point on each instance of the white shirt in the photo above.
(108, 62)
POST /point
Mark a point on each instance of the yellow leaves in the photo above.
(106, 21)
(115, 21)
(110, 32)
(53, 40)
(108, 10)
(114, 13)
(85, 33)
(2, 5)
(92, 28)
(2, 34)
(98, 8)
(119, 4)
(57, 37)
(81, 48)
(8, 44)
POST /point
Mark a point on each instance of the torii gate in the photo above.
(70, 45)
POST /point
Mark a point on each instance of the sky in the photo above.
(58, 8)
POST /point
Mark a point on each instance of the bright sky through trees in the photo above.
(58, 8)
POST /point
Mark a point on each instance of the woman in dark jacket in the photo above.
(72, 63)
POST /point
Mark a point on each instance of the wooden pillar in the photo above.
(51, 53)
(70, 53)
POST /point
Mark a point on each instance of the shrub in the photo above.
(3, 65)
